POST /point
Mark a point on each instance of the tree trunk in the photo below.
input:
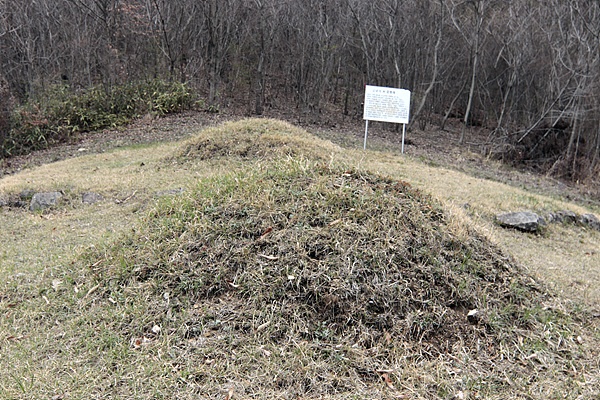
(434, 75)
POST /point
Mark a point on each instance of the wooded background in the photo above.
(527, 70)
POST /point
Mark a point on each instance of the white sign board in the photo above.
(386, 104)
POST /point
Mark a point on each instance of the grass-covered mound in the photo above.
(345, 249)
(254, 139)
(295, 279)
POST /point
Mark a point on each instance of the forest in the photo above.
(527, 71)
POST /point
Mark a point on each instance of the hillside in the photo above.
(255, 260)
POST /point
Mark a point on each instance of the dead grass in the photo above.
(281, 276)
(566, 256)
(255, 139)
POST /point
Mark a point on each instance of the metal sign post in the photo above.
(403, 134)
(386, 105)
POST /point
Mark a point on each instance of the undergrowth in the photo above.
(58, 113)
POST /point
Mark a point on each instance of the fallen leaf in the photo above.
(265, 352)
(388, 381)
(91, 291)
(229, 394)
(388, 338)
(233, 285)
(138, 343)
(263, 326)
(266, 232)
(56, 284)
(16, 338)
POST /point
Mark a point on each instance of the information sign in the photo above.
(386, 104)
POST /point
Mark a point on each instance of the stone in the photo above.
(526, 221)
(589, 220)
(41, 201)
(567, 216)
(91, 198)
(553, 218)
(474, 316)
(26, 194)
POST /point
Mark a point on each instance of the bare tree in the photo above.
(477, 12)
(527, 71)
(436, 64)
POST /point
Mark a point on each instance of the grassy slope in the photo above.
(61, 333)
(565, 257)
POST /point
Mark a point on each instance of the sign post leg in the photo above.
(403, 133)
(366, 132)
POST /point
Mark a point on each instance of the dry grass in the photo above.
(359, 272)
(566, 257)
(288, 276)
(258, 139)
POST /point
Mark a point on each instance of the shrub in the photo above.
(58, 113)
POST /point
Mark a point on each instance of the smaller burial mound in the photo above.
(254, 139)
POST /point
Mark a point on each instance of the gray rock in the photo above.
(91, 198)
(567, 216)
(524, 221)
(26, 194)
(474, 316)
(552, 218)
(589, 220)
(41, 201)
